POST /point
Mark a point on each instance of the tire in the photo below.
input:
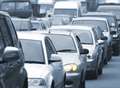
(52, 86)
(83, 84)
(100, 71)
(25, 83)
(95, 74)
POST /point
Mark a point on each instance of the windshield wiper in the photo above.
(36, 62)
(66, 50)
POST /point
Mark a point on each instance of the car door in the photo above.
(82, 57)
(12, 68)
(57, 66)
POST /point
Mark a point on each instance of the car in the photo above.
(61, 20)
(100, 37)
(113, 25)
(38, 25)
(22, 24)
(42, 8)
(17, 8)
(12, 71)
(73, 57)
(103, 24)
(110, 6)
(44, 67)
(88, 39)
(72, 8)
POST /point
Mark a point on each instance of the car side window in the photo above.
(2, 46)
(79, 43)
(12, 30)
(6, 32)
(49, 48)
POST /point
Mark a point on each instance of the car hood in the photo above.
(37, 70)
(69, 58)
(89, 47)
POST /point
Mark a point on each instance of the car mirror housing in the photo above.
(100, 42)
(11, 54)
(55, 58)
(84, 51)
(104, 38)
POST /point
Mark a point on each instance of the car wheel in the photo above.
(100, 71)
(95, 74)
(52, 86)
(25, 83)
(83, 84)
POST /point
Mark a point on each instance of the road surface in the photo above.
(110, 77)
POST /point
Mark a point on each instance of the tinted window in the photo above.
(1, 44)
(49, 47)
(33, 51)
(85, 37)
(102, 24)
(12, 30)
(6, 32)
(63, 43)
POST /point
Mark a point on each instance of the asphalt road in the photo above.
(110, 77)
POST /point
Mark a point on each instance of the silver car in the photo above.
(69, 47)
(44, 67)
(103, 24)
(113, 26)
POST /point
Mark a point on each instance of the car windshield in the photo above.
(33, 51)
(110, 8)
(101, 23)
(85, 37)
(63, 43)
(71, 12)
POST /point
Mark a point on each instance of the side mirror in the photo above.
(104, 38)
(100, 42)
(55, 58)
(113, 32)
(11, 54)
(84, 51)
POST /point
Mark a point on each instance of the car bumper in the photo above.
(72, 80)
(91, 66)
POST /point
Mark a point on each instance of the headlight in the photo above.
(71, 68)
(36, 82)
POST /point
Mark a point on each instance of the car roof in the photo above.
(90, 18)
(31, 35)
(71, 27)
(100, 13)
(66, 4)
(3, 13)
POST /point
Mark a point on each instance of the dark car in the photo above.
(12, 72)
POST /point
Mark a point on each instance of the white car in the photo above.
(69, 47)
(102, 23)
(44, 67)
(89, 41)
